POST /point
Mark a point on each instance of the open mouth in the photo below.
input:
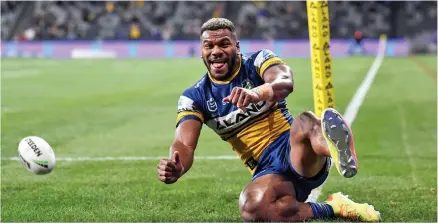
(218, 64)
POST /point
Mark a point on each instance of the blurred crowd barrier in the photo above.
(180, 49)
(414, 21)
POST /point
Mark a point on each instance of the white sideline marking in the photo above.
(406, 146)
(357, 100)
(19, 73)
(131, 158)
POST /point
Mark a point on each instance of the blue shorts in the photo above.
(275, 160)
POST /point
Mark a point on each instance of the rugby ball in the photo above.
(36, 155)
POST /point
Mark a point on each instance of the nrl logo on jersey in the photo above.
(211, 105)
(247, 84)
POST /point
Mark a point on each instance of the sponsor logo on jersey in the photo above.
(251, 163)
(238, 117)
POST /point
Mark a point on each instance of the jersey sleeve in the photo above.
(265, 59)
(189, 108)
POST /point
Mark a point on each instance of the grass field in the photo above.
(113, 108)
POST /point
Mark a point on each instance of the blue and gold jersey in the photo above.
(250, 132)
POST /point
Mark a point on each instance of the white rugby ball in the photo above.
(36, 155)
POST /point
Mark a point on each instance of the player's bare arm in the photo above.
(279, 84)
(280, 78)
(181, 152)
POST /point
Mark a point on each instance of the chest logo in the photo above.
(211, 105)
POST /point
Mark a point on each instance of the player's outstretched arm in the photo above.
(278, 85)
(280, 79)
(181, 152)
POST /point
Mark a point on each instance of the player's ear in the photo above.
(238, 46)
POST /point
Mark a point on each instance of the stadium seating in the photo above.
(165, 20)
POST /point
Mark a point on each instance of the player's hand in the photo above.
(242, 97)
(170, 170)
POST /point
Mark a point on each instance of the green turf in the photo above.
(128, 108)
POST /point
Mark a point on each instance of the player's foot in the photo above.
(339, 138)
(346, 208)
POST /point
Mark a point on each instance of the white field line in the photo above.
(19, 73)
(130, 158)
(408, 150)
(357, 100)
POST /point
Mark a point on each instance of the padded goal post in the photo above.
(321, 60)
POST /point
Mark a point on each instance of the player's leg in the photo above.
(313, 139)
(309, 149)
(271, 197)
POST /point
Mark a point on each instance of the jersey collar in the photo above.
(231, 77)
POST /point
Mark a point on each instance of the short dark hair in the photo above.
(218, 23)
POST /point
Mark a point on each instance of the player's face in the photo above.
(220, 51)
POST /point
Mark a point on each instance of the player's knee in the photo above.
(288, 207)
(308, 117)
(305, 124)
(250, 205)
(248, 217)
(253, 208)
